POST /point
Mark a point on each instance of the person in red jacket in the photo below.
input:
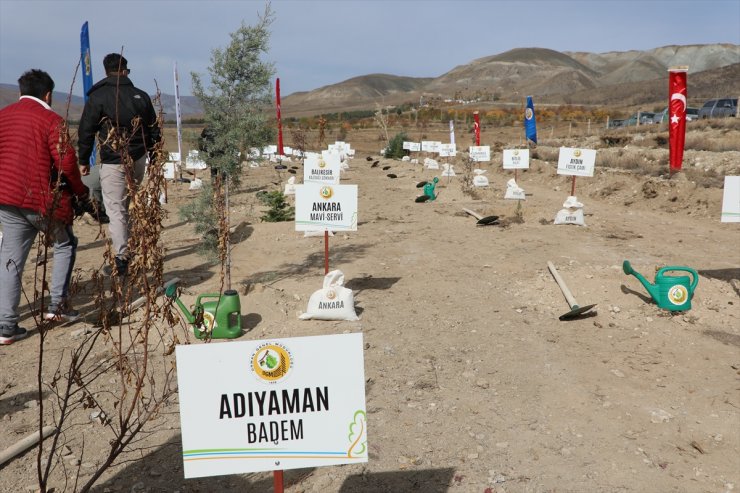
(38, 175)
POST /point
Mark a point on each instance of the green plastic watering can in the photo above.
(672, 293)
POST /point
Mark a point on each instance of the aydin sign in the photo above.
(576, 162)
(273, 404)
(326, 207)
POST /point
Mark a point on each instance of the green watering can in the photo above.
(220, 318)
(669, 292)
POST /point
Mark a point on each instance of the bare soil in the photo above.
(473, 384)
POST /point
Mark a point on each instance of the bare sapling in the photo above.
(121, 374)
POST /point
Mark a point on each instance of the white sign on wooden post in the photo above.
(430, 145)
(447, 150)
(412, 146)
(576, 162)
(516, 158)
(254, 406)
(731, 200)
(169, 170)
(480, 153)
(322, 168)
(325, 207)
(193, 161)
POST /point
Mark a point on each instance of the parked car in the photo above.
(616, 123)
(718, 108)
(645, 118)
(691, 115)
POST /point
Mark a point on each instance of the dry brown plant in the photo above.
(110, 377)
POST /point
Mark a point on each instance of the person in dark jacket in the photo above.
(38, 176)
(125, 123)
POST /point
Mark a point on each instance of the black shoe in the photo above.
(10, 334)
(121, 266)
(103, 218)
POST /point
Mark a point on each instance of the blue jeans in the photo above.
(20, 227)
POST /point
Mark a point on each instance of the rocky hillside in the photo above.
(570, 77)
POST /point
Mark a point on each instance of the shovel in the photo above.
(482, 221)
(575, 309)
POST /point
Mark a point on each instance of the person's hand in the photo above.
(84, 169)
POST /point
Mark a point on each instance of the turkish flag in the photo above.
(476, 119)
(676, 116)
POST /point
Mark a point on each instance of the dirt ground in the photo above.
(473, 384)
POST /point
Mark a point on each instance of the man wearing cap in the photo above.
(124, 120)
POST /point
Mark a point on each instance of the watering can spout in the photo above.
(171, 292)
(651, 288)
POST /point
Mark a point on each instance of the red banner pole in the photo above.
(476, 119)
(676, 116)
(277, 481)
(279, 119)
(326, 252)
(573, 187)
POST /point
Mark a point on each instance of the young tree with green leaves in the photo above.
(237, 107)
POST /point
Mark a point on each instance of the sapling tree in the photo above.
(109, 376)
(236, 106)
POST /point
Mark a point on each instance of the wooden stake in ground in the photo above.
(25, 444)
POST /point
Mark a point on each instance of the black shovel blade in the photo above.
(386, 168)
(392, 175)
(422, 198)
(487, 221)
(421, 184)
(291, 171)
(576, 311)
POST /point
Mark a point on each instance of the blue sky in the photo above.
(316, 43)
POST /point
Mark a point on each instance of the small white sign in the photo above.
(269, 150)
(276, 404)
(326, 207)
(412, 146)
(322, 168)
(480, 153)
(731, 200)
(173, 156)
(430, 145)
(576, 162)
(169, 170)
(516, 158)
(193, 161)
(447, 150)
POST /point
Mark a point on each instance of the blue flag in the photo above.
(86, 64)
(530, 125)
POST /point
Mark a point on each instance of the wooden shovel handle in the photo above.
(568, 295)
(473, 213)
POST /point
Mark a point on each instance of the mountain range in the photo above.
(617, 78)
(613, 78)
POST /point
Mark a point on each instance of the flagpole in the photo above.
(87, 77)
(179, 119)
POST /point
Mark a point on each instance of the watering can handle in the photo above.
(694, 274)
(207, 295)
